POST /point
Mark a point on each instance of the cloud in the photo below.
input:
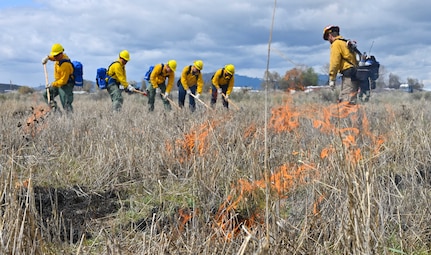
(218, 32)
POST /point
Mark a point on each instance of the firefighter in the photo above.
(158, 83)
(64, 81)
(117, 80)
(222, 83)
(191, 84)
(342, 60)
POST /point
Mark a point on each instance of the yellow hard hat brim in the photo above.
(55, 53)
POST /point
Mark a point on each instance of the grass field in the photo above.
(282, 174)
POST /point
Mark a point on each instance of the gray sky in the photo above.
(218, 32)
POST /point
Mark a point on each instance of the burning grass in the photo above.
(339, 179)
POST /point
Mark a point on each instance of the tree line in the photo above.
(300, 77)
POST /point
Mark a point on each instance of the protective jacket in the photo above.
(62, 72)
(341, 58)
(117, 71)
(188, 79)
(159, 75)
(220, 80)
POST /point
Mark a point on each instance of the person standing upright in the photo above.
(222, 83)
(64, 81)
(190, 83)
(117, 80)
(158, 82)
(343, 61)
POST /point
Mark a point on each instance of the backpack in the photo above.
(368, 67)
(77, 75)
(148, 73)
(221, 74)
(188, 72)
(102, 77)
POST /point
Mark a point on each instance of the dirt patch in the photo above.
(65, 213)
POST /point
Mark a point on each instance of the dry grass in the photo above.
(344, 180)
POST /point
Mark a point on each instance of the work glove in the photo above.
(220, 91)
(158, 90)
(45, 60)
(197, 96)
(165, 96)
(188, 91)
(131, 88)
(48, 85)
(226, 97)
(332, 84)
(121, 87)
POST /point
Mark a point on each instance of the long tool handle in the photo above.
(200, 101)
(171, 101)
(141, 92)
(46, 83)
(230, 101)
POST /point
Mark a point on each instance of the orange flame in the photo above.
(194, 142)
(242, 206)
(184, 216)
(238, 209)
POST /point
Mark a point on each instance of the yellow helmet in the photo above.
(199, 64)
(230, 69)
(124, 54)
(330, 29)
(56, 49)
(172, 65)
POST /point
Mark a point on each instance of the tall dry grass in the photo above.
(178, 183)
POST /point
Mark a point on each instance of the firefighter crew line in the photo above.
(160, 81)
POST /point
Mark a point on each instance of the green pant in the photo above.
(116, 97)
(66, 96)
(152, 97)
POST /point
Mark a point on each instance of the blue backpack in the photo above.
(102, 78)
(78, 73)
(148, 73)
(77, 76)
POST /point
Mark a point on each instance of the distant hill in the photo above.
(6, 87)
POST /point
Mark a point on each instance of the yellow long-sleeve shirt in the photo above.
(159, 75)
(118, 72)
(220, 80)
(62, 72)
(188, 79)
(341, 58)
